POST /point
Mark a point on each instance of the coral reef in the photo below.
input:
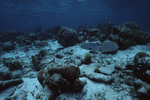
(96, 70)
(125, 35)
(5, 74)
(8, 83)
(67, 37)
(87, 58)
(106, 29)
(70, 73)
(141, 66)
(8, 46)
(139, 57)
(36, 59)
(54, 31)
(61, 80)
(12, 63)
(128, 35)
(131, 25)
(47, 76)
(9, 36)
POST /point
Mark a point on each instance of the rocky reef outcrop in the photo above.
(67, 36)
(141, 66)
(61, 80)
(128, 34)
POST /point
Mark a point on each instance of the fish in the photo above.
(91, 46)
(105, 47)
(108, 46)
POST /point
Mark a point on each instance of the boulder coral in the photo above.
(60, 80)
(139, 56)
(70, 73)
(12, 63)
(128, 35)
(105, 29)
(125, 35)
(9, 36)
(141, 66)
(8, 46)
(87, 58)
(36, 60)
(67, 37)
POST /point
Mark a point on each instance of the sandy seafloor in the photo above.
(31, 89)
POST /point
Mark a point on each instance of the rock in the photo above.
(88, 71)
(99, 78)
(71, 73)
(140, 66)
(9, 83)
(78, 85)
(22, 95)
(59, 56)
(36, 60)
(5, 74)
(7, 46)
(67, 37)
(108, 70)
(117, 87)
(39, 43)
(140, 70)
(137, 84)
(105, 29)
(60, 80)
(57, 83)
(93, 31)
(131, 25)
(144, 93)
(123, 43)
(27, 42)
(41, 77)
(54, 30)
(128, 35)
(9, 36)
(140, 58)
(16, 74)
(148, 62)
(12, 63)
(148, 72)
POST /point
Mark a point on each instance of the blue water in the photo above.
(25, 15)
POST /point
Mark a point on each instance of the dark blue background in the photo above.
(24, 15)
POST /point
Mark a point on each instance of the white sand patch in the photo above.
(53, 45)
(97, 91)
(79, 51)
(31, 86)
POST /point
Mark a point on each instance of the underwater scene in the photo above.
(74, 49)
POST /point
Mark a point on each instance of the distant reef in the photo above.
(125, 35)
